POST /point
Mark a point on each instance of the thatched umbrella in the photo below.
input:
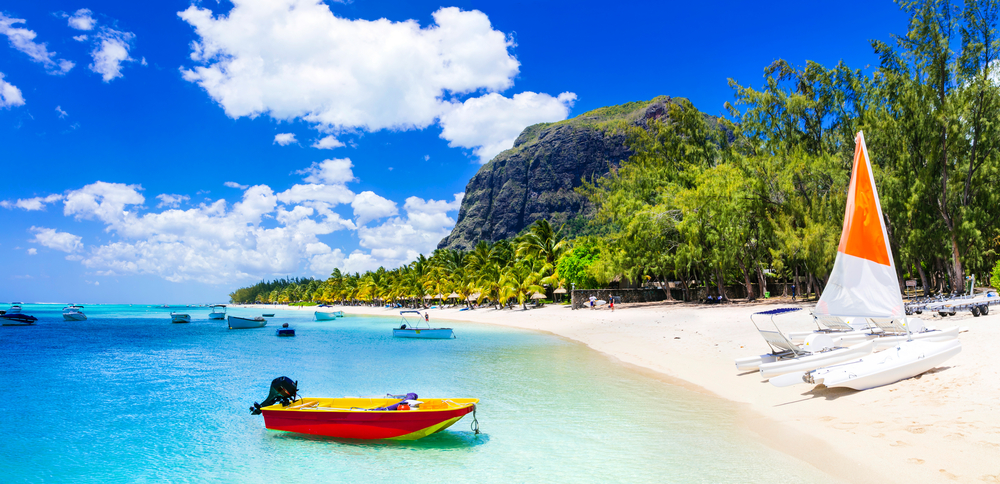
(474, 297)
(452, 295)
(538, 295)
(561, 290)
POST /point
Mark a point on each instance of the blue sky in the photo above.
(172, 151)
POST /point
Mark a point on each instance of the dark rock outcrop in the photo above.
(536, 178)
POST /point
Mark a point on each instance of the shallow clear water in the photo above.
(126, 396)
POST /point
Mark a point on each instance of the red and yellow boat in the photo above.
(368, 417)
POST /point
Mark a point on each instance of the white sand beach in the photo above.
(938, 427)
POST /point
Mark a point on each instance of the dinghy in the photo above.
(180, 318)
(863, 284)
(395, 417)
(325, 315)
(420, 328)
(246, 323)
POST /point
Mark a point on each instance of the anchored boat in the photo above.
(180, 318)
(17, 319)
(246, 323)
(218, 312)
(420, 328)
(395, 417)
(74, 313)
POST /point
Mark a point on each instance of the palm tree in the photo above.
(543, 242)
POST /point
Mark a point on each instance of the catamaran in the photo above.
(863, 284)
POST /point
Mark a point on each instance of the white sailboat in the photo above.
(863, 284)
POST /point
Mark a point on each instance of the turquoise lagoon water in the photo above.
(126, 396)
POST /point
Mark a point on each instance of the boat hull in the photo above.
(817, 360)
(906, 360)
(360, 424)
(244, 323)
(216, 316)
(886, 342)
(433, 333)
(17, 319)
(325, 316)
(74, 316)
(180, 318)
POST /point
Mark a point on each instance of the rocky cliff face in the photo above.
(536, 178)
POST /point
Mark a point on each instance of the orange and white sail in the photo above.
(863, 282)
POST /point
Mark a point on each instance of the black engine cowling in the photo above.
(283, 390)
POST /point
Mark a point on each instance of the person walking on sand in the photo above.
(593, 301)
(427, 316)
(611, 303)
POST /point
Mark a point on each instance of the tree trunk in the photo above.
(923, 279)
(746, 279)
(718, 284)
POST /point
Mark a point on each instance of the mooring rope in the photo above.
(475, 422)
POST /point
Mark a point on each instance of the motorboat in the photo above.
(864, 284)
(74, 313)
(325, 315)
(218, 311)
(271, 315)
(419, 327)
(15, 308)
(394, 417)
(17, 319)
(180, 318)
(236, 322)
(284, 330)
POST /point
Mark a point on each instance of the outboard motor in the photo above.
(283, 390)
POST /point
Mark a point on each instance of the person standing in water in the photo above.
(427, 316)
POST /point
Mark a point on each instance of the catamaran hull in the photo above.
(816, 360)
(906, 360)
(887, 342)
(435, 333)
(325, 316)
(401, 425)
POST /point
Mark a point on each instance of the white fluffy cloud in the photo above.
(294, 59)
(262, 235)
(232, 184)
(368, 206)
(23, 40)
(284, 139)
(492, 122)
(32, 251)
(10, 95)
(54, 239)
(111, 49)
(328, 143)
(172, 201)
(82, 20)
(31, 204)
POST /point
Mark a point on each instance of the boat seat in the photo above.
(834, 323)
(780, 343)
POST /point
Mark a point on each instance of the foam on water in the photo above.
(126, 396)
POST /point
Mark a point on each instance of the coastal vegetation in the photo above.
(759, 194)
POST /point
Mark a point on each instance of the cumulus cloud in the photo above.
(294, 59)
(102, 201)
(54, 239)
(491, 123)
(231, 184)
(172, 201)
(284, 139)
(368, 206)
(23, 40)
(111, 49)
(10, 95)
(335, 171)
(31, 204)
(80, 38)
(82, 20)
(328, 143)
(32, 251)
(400, 240)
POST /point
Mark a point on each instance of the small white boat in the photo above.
(420, 328)
(74, 313)
(246, 323)
(906, 360)
(180, 318)
(218, 312)
(325, 315)
(15, 308)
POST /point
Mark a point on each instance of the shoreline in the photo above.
(939, 426)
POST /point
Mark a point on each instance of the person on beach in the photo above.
(427, 316)
(611, 302)
(593, 301)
